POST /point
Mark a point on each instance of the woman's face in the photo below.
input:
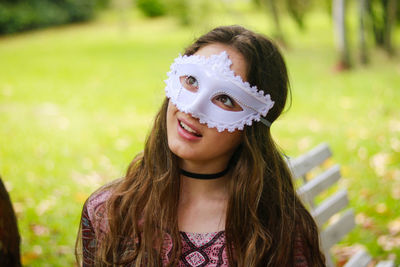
(195, 142)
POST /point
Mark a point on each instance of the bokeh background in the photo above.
(81, 80)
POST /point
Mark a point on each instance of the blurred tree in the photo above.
(151, 8)
(122, 7)
(272, 8)
(21, 15)
(192, 12)
(271, 5)
(188, 12)
(383, 16)
(181, 10)
(298, 9)
(103, 3)
(362, 13)
(391, 8)
(340, 29)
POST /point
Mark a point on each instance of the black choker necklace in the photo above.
(204, 176)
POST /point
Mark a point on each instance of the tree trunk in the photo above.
(9, 236)
(391, 8)
(271, 5)
(377, 20)
(339, 20)
(122, 7)
(362, 11)
(297, 10)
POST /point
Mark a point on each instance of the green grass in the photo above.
(76, 103)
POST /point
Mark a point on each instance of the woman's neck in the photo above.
(196, 189)
(202, 205)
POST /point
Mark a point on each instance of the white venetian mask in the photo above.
(194, 81)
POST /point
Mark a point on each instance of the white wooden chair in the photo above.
(316, 179)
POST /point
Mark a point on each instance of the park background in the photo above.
(77, 101)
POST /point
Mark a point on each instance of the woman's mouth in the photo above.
(187, 131)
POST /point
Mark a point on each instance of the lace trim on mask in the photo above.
(222, 64)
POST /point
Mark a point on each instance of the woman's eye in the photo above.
(226, 100)
(227, 103)
(190, 80)
(190, 83)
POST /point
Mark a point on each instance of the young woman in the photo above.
(211, 187)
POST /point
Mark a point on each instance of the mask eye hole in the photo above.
(189, 82)
(226, 102)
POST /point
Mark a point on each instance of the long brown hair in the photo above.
(264, 216)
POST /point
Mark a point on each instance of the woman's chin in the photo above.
(184, 153)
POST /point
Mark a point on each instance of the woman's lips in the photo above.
(188, 131)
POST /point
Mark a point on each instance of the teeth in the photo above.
(187, 128)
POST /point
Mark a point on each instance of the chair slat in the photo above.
(319, 183)
(310, 188)
(360, 259)
(335, 232)
(330, 206)
(389, 263)
(303, 164)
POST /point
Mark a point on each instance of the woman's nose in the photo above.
(199, 104)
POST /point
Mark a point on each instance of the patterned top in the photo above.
(198, 249)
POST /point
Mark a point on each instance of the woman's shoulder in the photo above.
(95, 207)
(95, 204)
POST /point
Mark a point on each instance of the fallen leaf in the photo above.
(7, 90)
(328, 163)
(396, 192)
(28, 257)
(394, 226)
(45, 205)
(388, 242)
(314, 125)
(47, 109)
(304, 143)
(346, 171)
(364, 221)
(18, 208)
(365, 193)
(362, 153)
(379, 163)
(8, 185)
(394, 125)
(351, 144)
(92, 179)
(37, 249)
(395, 144)
(344, 253)
(64, 250)
(122, 143)
(80, 197)
(40, 230)
(381, 208)
(391, 257)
